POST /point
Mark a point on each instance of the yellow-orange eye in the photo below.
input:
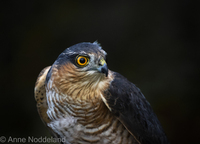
(82, 60)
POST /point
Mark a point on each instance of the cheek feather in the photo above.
(76, 83)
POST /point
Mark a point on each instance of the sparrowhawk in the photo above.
(80, 99)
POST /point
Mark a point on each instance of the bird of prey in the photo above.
(81, 100)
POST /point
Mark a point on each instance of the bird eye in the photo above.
(82, 60)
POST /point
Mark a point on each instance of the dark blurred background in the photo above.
(155, 44)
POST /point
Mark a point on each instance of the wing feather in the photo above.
(40, 95)
(133, 110)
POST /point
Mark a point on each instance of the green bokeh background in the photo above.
(155, 44)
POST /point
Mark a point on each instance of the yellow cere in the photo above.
(102, 61)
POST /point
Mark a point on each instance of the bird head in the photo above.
(81, 66)
(85, 57)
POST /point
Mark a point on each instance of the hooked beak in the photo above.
(103, 67)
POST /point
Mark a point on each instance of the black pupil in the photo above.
(82, 60)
